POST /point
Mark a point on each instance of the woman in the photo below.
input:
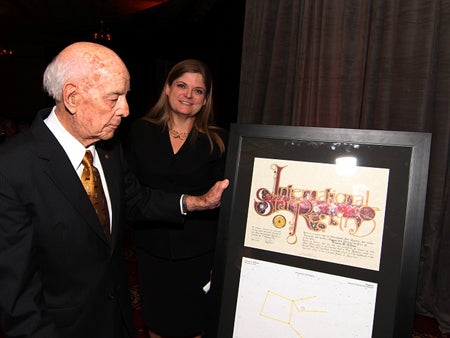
(176, 148)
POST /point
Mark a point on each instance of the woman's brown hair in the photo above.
(160, 112)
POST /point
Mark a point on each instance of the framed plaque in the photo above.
(320, 232)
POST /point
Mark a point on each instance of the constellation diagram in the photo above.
(276, 300)
(285, 310)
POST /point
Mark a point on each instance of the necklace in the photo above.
(176, 134)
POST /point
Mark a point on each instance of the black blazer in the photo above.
(58, 275)
(192, 170)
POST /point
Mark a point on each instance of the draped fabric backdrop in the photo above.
(363, 64)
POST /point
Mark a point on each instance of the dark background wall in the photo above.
(149, 41)
(152, 42)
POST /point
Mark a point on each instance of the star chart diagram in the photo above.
(276, 300)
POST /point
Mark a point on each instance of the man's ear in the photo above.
(70, 97)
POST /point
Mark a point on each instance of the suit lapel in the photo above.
(113, 180)
(60, 171)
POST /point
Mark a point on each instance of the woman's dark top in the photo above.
(193, 170)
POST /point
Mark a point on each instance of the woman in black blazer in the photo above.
(177, 148)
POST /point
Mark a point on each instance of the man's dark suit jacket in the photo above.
(59, 278)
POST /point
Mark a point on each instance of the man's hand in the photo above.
(210, 200)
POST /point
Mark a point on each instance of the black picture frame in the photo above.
(404, 154)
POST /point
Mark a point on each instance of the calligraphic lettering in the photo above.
(318, 208)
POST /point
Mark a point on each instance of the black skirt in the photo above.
(172, 296)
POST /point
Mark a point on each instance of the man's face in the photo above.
(103, 104)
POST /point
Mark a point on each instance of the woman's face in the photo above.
(187, 94)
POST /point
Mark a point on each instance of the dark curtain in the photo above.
(363, 64)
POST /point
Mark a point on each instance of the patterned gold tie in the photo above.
(93, 185)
